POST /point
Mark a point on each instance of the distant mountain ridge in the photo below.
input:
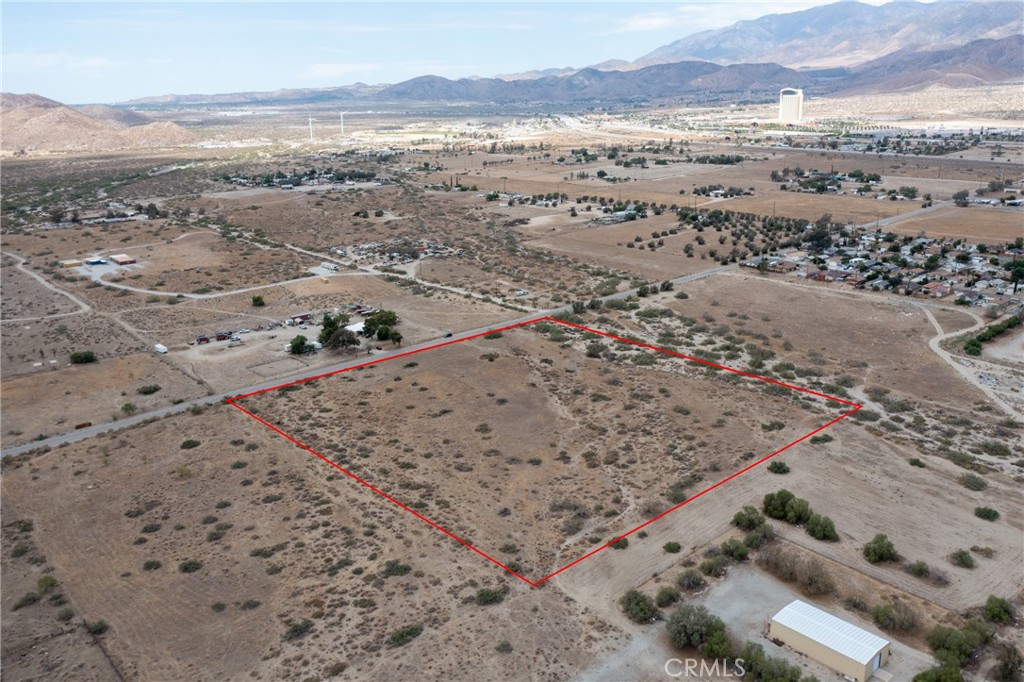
(842, 34)
(846, 33)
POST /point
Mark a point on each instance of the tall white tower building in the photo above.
(791, 105)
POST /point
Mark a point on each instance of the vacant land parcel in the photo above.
(493, 440)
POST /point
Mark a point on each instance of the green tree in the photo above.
(341, 338)
(83, 357)
(880, 549)
(960, 198)
(822, 528)
(998, 610)
(692, 625)
(638, 606)
(330, 325)
(258, 302)
(381, 318)
(748, 518)
(298, 345)
(774, 504)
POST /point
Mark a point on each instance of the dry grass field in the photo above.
(985, 224)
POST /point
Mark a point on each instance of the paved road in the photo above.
(348, 362)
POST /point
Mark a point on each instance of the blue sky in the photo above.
(82, 52)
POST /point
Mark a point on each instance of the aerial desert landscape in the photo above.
(647, 370)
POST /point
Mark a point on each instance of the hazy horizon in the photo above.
(85, 52)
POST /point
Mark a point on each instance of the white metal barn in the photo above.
(842, 646)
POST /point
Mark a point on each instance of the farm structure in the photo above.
(852, 651)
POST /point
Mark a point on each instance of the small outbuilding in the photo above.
(69, 263)
(842, 646)
(123, 259)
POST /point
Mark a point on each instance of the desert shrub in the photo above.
(65, 614)
(83, 357)
(28, 599)
(918, 569)
(672, 547)
(46, 583)
(250, 604)
(622, 543)
(915, 462)
(986, 513)
(151, 565)
(638, 606)
(748, 518)
(735, 550)
(962, 558)
(405, 635)
(821, 438)
(958, 646)
(815, 578)
(190, 566)
(394, 568)
(897, 617)
(880, 549)
(147, 390)
(822, 528)
(666, 596)
(692, 625)
(713, 567)
(486, 595)
(810, 574)
(97, 627)
(239, 464)
(691, 580)
(189, 444)
(998, 610)
(503, 647)
(778, 467)
(258, 302)
(973, 482)
(758, 537)
(299, 629)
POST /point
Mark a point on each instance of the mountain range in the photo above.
(842, 47)
(32, 122)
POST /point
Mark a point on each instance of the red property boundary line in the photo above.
(233, 401)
